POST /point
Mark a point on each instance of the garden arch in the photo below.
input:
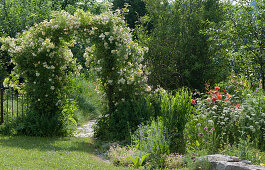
(43, 58)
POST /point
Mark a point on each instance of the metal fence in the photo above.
(13, 105)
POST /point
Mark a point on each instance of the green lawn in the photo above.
(21, 152)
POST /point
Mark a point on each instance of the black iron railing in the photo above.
(12, 105)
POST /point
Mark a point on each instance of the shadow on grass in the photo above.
(49, 144)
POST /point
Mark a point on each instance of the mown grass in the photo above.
(20, 152)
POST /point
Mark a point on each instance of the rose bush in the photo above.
(43, 58)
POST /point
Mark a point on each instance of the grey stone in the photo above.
(224, 162)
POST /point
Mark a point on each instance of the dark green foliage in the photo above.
(178, 52)
(4, 66)
(15, 15)
(136, 10)
(129, 115)
(58, 124)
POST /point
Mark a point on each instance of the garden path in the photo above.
(85, 130)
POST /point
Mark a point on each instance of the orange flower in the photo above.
(238, 106)
(211, 91)
(228, 101)
(193, 101)
(217, 88)
(219, 97)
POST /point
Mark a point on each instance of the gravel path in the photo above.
(86, 130)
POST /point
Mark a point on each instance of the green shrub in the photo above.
(43, 58)
(62, 124)
(126, 118)
(176, 110)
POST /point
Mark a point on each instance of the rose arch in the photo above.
(42, 57)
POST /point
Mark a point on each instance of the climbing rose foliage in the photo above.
(43, 58)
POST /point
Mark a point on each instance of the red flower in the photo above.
(213, 99)
(211, 91)
(193, 101)
(228, 101)
(238, 106)
(219, 97)
(209, 99)
(217, 88)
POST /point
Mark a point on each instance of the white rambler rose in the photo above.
(5, 83)
(102, 36)
(139, 73)
(122, 81)
(106, 45)
(52, 87)
(148, 88)
(37, 74)
(131, 78)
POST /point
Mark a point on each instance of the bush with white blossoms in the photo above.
(43, 58)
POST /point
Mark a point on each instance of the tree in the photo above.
(178, 50)
(136, 10)
(241, 38)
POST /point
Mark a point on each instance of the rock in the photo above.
(224, 162)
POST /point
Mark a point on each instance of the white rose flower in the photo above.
(37, 74)
(102, 36)
(52, 87)
(148, 88)
(122, 81)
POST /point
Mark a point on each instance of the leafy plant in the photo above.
(176, 111)
(138, 160)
